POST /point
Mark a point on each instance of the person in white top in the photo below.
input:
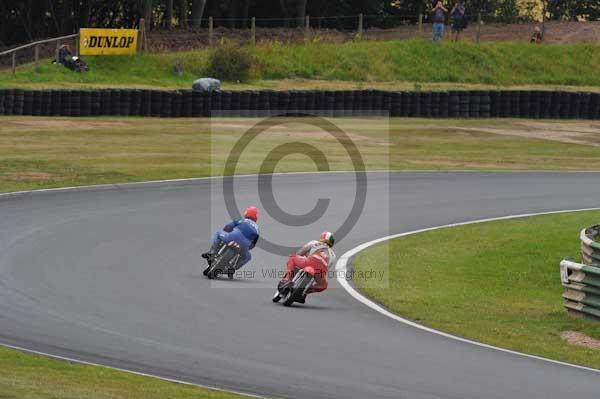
(316, 254)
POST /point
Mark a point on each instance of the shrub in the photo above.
(230, 62)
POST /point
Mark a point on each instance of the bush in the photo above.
(230, 62)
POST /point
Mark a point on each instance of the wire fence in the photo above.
(250, 31)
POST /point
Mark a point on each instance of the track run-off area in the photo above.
(112, 275)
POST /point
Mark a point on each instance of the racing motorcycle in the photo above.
(295, 289)
(224, 261)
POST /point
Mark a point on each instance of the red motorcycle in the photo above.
(296, 289)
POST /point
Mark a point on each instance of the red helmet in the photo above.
(251, 213)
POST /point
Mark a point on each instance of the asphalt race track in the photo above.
(112, 275)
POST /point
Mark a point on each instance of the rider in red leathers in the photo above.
(316, 254)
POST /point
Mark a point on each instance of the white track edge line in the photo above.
(196, 179)
(342, 271)
(86, 363)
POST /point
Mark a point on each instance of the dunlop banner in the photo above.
(107, 41)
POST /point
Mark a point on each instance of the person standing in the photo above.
(439, 19)
(459, 19)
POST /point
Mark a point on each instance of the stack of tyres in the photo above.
(584, 108)
(348, 106)
(215, 103)
(65, 102)
(115, 102)
(244, 105)
(254, 108)
(135, 104)
(186, 103)
(505, 106)
(46, 103)
(595, 106)
(293, 103)
(515, 103)
(485, 105)
(86, 103)
(534, 107)
(263, 103)
(105, 102)
(2, 101)
(444, 104)
(125, 108)
(464, 104)
(156, 101)
(396, 104)
(55, 103)
(415, 104)
(311, 101)
(376, 104)
(575, 106)
(197, 103)
(9, 100)
(425, 105)
(435, 104)
(18, 102)
(453, 104)
(338, 103)
(545, 104)
(366, 102)
(206, 104)
(75, 103)
(176, 104)
(235, 103)
(556, 105)
(494, 104)
(328, 103)
(474, 104)
(36, 107)
(524, 103)
(96, 108)
(28, 103)
(166, 102)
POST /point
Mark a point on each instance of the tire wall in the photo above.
(185, 103)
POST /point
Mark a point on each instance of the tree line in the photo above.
(26, 20)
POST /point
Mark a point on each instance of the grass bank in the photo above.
(37, 377)
(366, 62)
(56, 152)
(501, 285)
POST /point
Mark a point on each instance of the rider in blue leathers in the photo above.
(243, 231)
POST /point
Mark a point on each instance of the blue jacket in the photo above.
(246, 227)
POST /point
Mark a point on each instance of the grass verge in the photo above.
(500, 285)
(367, 62)
(57, 152)
(37, 377)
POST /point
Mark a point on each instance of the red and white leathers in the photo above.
(313, 254)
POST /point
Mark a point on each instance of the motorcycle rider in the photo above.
(316, 254)
(243, 231)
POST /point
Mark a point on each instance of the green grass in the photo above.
(56, 152)
(366, 62)
(36, 377)
(495, 282)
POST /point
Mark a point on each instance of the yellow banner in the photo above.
(107, 41)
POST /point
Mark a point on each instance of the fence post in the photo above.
(544, 23)
(36, 56)
(142, 35)
(253, 30)
(360, 25)
(14, 62)
(77, 45)
(56, 51)
(306, 27)
(420, 23)
(478, 27)
(210, 31)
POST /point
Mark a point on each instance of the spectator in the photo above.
(459, 19)
(537, 36)
(439, 19)
(64, 54)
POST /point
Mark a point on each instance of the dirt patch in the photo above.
(27, 176)
(48, 123)
(579, 339)
(571, 133)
